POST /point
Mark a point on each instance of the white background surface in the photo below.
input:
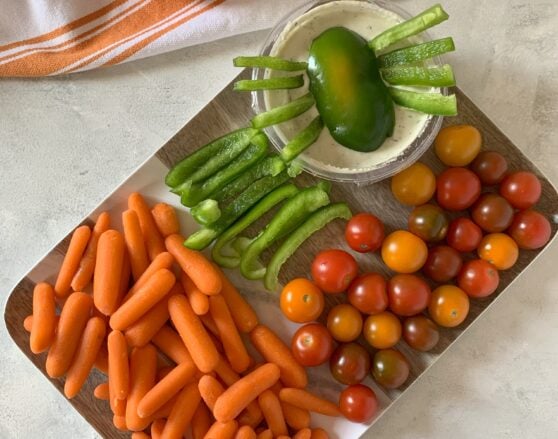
(65, 143)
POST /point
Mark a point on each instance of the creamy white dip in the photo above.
(368, 20)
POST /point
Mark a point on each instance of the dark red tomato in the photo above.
(443, 263)
(364, 233)
(312, 345)
(457, 188)
(334, 270)
(530, 229)
(390, 368)
(464, 235)
(429, 223)
(490, 166)
(522, 189)
(368, 293)
(408, 294)
(478, 278)
(349, 363)
(358, 403)
(421, 333)
(492, 213)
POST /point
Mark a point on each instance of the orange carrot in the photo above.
(266, 434)
(305, 400)
(283, 436)
(157, 428)
(165, 219)
(28, 323)
(232, 343)
(163, 260)
(248, 388)
(70, 265)
(124, 279)
(108, 271)
(119, 422)
(119, 372)
(201, 422)
(273, 414)
(118, 406)
(72, 322)
(195, 265)
(140, 435)
(93, 336)
(164, 412)
(135, 244)
(295, 417)
(86, 267)
(193, 334)
(319, 433)
(249, 417)
(304, 433)
(245, 432)
(44, 320)
(210, 389)
(143, 369)
(101, 362)
(143, 300)
(143, 330)
(222, 430)
(198, 301)
(242, 312)
(170, 344)
(163, 371)
(153, 240)
(208, 322)
(181, 414)
(102, 392)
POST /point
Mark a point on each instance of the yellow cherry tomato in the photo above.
(415, 185)
(344, 322)
(382, 330)
(404, 252)
(499, 249)
(449, 306)
(301, 301)
(458, 145)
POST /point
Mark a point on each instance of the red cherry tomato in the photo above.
(358, 403)
(312, 345)
(464, 235)
(364, 233)
(522, 189)
(478, 278)
(490, 166)
(421, 333)
(530, 229)
(408, 294)
(457, 188)
(349, 363)
(334, 270)
(492, 213)
(368, 293)
(443, 263)
(390, 368)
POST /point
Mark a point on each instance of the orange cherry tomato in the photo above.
(404, 252)
(344, 322)
(382, 330)
(499, 249)
(458, 145)
(449, 306)
(301, 301)
(415, 185)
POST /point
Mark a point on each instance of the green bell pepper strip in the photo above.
(437, 76)
(230, 236)
(278, 83)
(269, 62)
(285, 221)
(240, 244)
(425, 20)
(255, 192)
(315, 222)
(302, 140)
(190, 164)
(429, 103)
(206, 212)
(417, 53)
(284, 112)
(194, 193)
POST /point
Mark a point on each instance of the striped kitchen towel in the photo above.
(52, 37)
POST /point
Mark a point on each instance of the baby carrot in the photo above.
(119, 422)
(210, 389)
(101, 362)
(181, 414)
(71, 261)
(242, 312)
(155, 288)
(222, 430)
(249, 418)
(245, 432)
(165, 219)
(273, 414)
(235, 399)
(198, 301)
(28, 323)
(165, 411)
(44, 318)
(283, 436)
(319, 433)
(143, 369)
(170, 344)
(142, 331)
(157, 427)
(124, 279)
(119, 372)
(232, 343)
(304, 433)
(193, 334)
(140, 435)
(266, 434)
(163, 371)
(153, 240)
(201, 422)
(101, 392)
(118, 406)
(108, 271)
(134, 243)
(163, 260)
(295, 417)
(208, 322)
(305, 400)
(93, 336)
(195, 265)
(275, 351)
(72, 321)
(86, 267)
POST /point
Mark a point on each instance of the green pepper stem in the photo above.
(279, 83)
(302, 140)
(269, 62)
(436, 76)
(284, 112)
(417, 53)
(429, 103)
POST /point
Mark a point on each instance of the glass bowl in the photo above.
(390, 166)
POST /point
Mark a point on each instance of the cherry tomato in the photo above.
(490, 167)
(349, 363)
(449, 306)
(478, 278)
(458, 145)
(404, 252)
(368, 293)
(344, 322)
(457, 189)
(312, 345)
(334, 270)
(408, 294)
(415, 185)
(420, 333)
(499, 249)
(301, 301)
(443, 263)
(390, 368)
(364, 233)
(429, 223)
(530, 229)
(382, 330)
(522, 189)
(464, 235)
(492, 213)
(358, 403)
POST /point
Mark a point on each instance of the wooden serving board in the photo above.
(229, 111)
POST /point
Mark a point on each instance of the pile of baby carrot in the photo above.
(170, 332)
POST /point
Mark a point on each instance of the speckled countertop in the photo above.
(65, 143)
